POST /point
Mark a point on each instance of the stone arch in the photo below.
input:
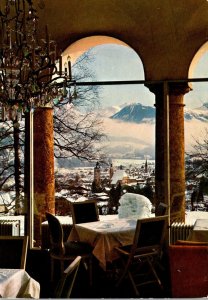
(82, 45)
(196, 58)
(197, 71)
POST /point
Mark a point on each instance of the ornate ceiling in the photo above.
(165, 33)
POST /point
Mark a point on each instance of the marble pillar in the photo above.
(176, 162)
(44, 181)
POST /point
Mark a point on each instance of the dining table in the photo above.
(104, 236)
(17, 283)
(200, 231)
(66, 223)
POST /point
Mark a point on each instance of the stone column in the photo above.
(44, 182)
(176, 148)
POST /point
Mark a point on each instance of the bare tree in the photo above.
(78, 129)
(11, 164)
(198, 157)
(78, 132)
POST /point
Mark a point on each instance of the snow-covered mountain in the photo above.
(109, 111)
(131, 129)
(200, 113)
(138, 113)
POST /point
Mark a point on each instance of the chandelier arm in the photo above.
(30, 69)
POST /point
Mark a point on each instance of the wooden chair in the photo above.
(66, 251)
(13, 252)
(176, 208)
(66, 283)
(145, 251)
(85, 211)
(162, 209)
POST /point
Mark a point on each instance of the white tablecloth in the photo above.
(104, 236)
(16, 283)
(200, 231)
(66, 222)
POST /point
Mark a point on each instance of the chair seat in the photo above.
(126, 250)
(73, 248)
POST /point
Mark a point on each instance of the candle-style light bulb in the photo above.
(60, 64)
(69, 67)
(65, 68)
(47, 39)
(10, 40)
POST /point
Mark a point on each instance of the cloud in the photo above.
(128, 139)
(139, 139)
(143, 133)
(194, 130)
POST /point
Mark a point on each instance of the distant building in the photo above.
(62, 206)
(111, 171)
(119, 176)
(146, 167)
(97, 178)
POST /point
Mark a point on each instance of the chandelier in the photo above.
(31, 71)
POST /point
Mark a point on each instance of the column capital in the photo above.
(179, 88)
(175, 88)
(155, 88)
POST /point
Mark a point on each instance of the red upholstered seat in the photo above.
(188, 271)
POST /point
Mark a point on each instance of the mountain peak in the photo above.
(205, 104)
(136, 113)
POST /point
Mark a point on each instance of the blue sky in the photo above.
(199, 94)
(113, 61)
(117, 62)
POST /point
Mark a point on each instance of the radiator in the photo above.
(10, 227)
(179, 231)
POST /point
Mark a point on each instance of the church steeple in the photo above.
(111, 171)
(146, 166)
(97, 179)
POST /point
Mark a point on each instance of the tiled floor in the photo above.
(104, 287)
(38, 267)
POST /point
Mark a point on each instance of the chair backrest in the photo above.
(66, 283)
(162, 209)
(150, 232)
(56, 233)
(85, 211)
(13, 252)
